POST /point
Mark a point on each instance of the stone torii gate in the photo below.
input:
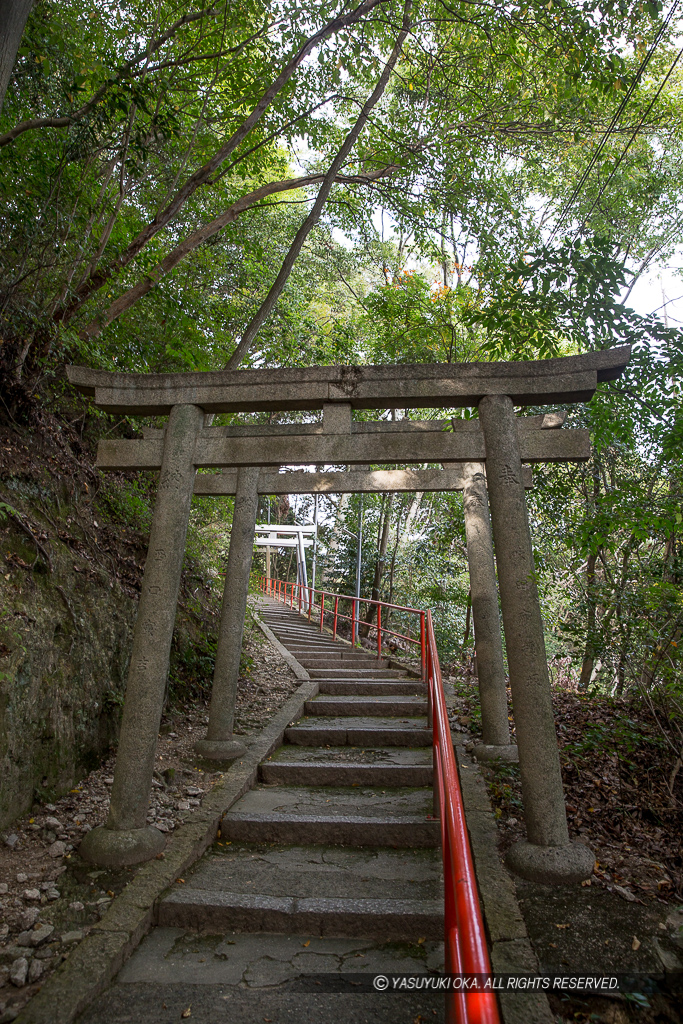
(496, 438)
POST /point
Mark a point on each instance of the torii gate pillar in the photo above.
(126, 839)
(547, 855)
(220, 745)
(490, 666)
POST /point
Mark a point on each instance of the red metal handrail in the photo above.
(465, 940)
(284, 591)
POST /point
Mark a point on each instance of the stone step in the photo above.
(297, 624)
(322, 646)
(374, 687)
(302, 628)
(350, 830)
(311, 890)
(352, 705)
(386, 919)
(360, 732)
(344, 773)
(339, 654)
(303, 632)
(353, 673)
(315, 663)
(313, 649)
(339, 816)
(401, 756)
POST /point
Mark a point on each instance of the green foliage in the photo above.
(622, 737)
(417, 321)
(191, 668)
(129, 501)
(503, 786)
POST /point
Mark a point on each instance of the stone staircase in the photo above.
(337, 838)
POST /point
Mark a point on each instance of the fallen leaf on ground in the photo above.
(626, 894)
(562, 926)
(187, 1012)
(635, 944)
(421, 940)
(306, 943)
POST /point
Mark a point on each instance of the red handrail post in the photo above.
(353, 623)
(299, 599)
(379, 632)
(336, 606)
(310, 595)
(423, 651)
(291, 596)
(322, 609)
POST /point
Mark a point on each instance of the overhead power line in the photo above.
(630, 141)
(613, 123)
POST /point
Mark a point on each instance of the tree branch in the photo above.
(78, 115)
(206, 231)
(271, 298)
(202, 175)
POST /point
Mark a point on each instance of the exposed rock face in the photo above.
(62, 676)
(72, 552)
(65, 644)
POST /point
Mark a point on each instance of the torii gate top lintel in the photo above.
(416, 385)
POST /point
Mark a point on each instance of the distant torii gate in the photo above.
(496, 438)
(292, 537)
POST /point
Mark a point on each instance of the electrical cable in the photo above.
(612, 125)
(629, 143)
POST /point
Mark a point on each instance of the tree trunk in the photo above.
(13, 17)
(333, 546)
(379, 566)
(589, 651)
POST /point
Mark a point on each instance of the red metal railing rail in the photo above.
(316, 604)
(465, 940)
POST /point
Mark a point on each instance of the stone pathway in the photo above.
(330, 865)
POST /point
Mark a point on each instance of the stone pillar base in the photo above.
(554, 865)
(220, 750)
(113, 848)
(495, 752)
